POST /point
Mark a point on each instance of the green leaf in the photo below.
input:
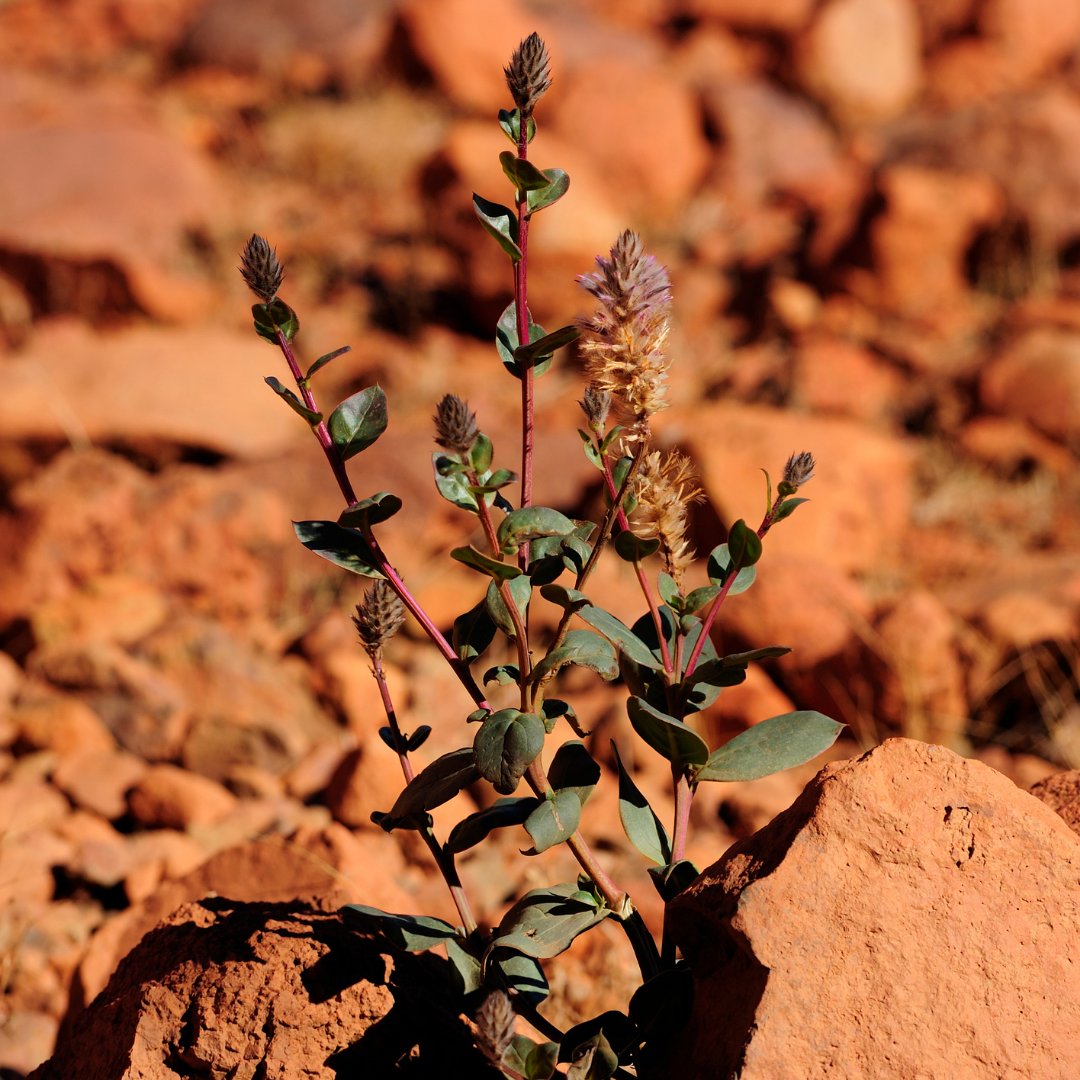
(744, 545)
(503, 674)
(557, 186)
(531, 523)
(553, 821)
(545, 346)
(474, 631)
(523, 174)
(506, 745)
(544, 922)
(477, 560)
(667, 736)
(619, 472)
(471, 830)
(435, 785)
(787, 508)
(719, 568)
(494, 482)
(663, 1005)
(553, 709)
(501, 222)
(573, 769)
(452, 483)
(507, 343)
(639, 821)
(618, 633)
(527, 1059)
(368, 512)
(590, 450)
(615, 1027)
(593, 1060)
(581, 647)
(669, 592)
(414, 933)
(631, 548)
(521, 593)
(779, 743)
(418, 737)
(673, 879)
(521, 974)
(294, 403)
(510, 122)
(325, 359)
(342, 547)
(705, 595)
(358, 421)
(270, 318)
(464, 968)
(480, 454)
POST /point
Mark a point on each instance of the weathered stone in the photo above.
(172, 798)
(861, 58)
(1061, 792)
(885, 895)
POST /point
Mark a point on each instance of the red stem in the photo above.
(521, 312)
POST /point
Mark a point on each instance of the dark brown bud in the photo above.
(261, 270)
(529, 73)
(379, 616)
(495, 1021)
(455, 424)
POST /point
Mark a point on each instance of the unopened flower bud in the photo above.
(379, 616)
(495, 1021)
(798, 470)
(260, 269)
(455, 424)
(528, 75)
(596, 404)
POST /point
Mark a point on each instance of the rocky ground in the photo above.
(869, 210)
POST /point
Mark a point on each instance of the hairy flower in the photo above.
(625, 355)
(528, 75)
(379, 616)
(798, 470)
(665, 487)
(455, 424)
(260, 268)
(495, 1026)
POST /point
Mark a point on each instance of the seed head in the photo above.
(379, 616)
(625, 355)
(665, 487)
(495, 1026)
(455, 424)
(260, 269)
(798, 470)
(528, 75)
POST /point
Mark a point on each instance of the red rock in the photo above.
(1010, 447)
(778, 148)
(1018, 620)
(331, 866)
(944, 18)
(742, 706)
(639, 123)
(11, 678)
(1037, 378)
(785, 16)
(113, 607)
(46, 720)
(467, 65)
(923, 695)
(807, 605)
(1032, 35)
(884, 895)
(26, 1040)
(922, 239)
(146, 712)
(861, 58)
(860, 495)
(70, 204)
(273, 987)
(1061, 792)
(168, 797)
(368, 779)
(164, 374)
(841, 377)
(99, 780)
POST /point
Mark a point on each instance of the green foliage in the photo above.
(666, 659)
